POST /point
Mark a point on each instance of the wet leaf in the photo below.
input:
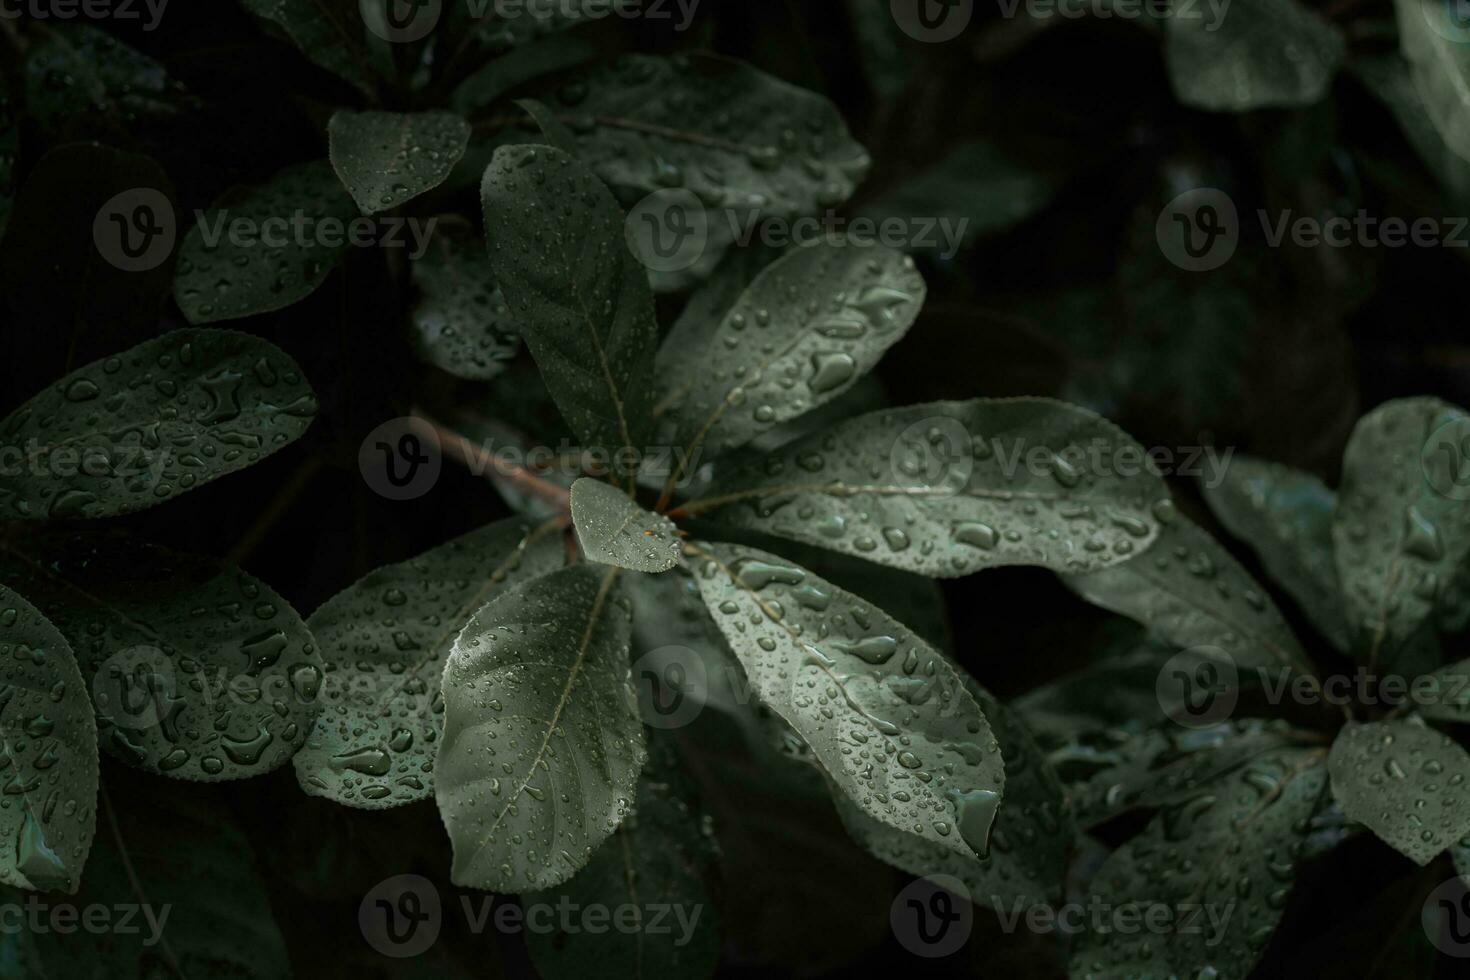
(268, 249)
(197, 670)
(887, 717)
(949, 488)
(332, 33)
(1286, 516)
(542, 742)
(50, 757)
(1263, 54)
(1190, 592)
(802, 334)
(386, 159)
(655, 862)
(461, 323)
(555, 131)
(385, 641)
(1408, 784)
(1401, 532)
(582, 301)
(133, 431)
(614, 530)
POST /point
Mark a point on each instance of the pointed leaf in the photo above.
(197, 670)
(1031, 843)
(582, 301)
(1265, 54)
(461, 323)
(129, 432)
(542, 742)
(1402, 531)
(1190, 592)
(387, 159)
(556, 132)
(803, 333)
(614, 530)
(949, 488)
(1408, 784)
(655, 860)
(329, 32)
(385, 641)
(1235, 845)
(1286, 516)
(887, 717)
(50, 743)
(1434, 40)
(240, 260)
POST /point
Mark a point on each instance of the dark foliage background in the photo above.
(1276, 356)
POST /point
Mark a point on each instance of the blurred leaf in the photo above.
(461, 323)
(1253, 54)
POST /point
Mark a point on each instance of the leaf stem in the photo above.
(479, 462)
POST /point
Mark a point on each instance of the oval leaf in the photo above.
(240, 259)
(197, 670)
(385, 641)
(542, 742)
(887, 717)
(1408, 784)
(461, 323)
(386, 159)
(949, 488)
(1265, 54)
(614, 530)
(129, 432)
(581, 299)
(50, 753)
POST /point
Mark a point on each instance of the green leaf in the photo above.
(385, 641)
(656, 860)
(614, 530)
(581, 299)
(239, 260)
(1408, 784)
(185, 896)
(1233, 846)
(803, 333)
(1401, 535)
(539, 682)
(555, 131)
(949, 488)
(129, 432)
(887, 717)
(1030, 844)
(1391, 79)
(76, 72)
(198, 670)
(1434, 42)
(386, 159)
(461, 323)
(331, 33)
(50, 743)
(1190, 592)
(1265, 54)
(1285, 515)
